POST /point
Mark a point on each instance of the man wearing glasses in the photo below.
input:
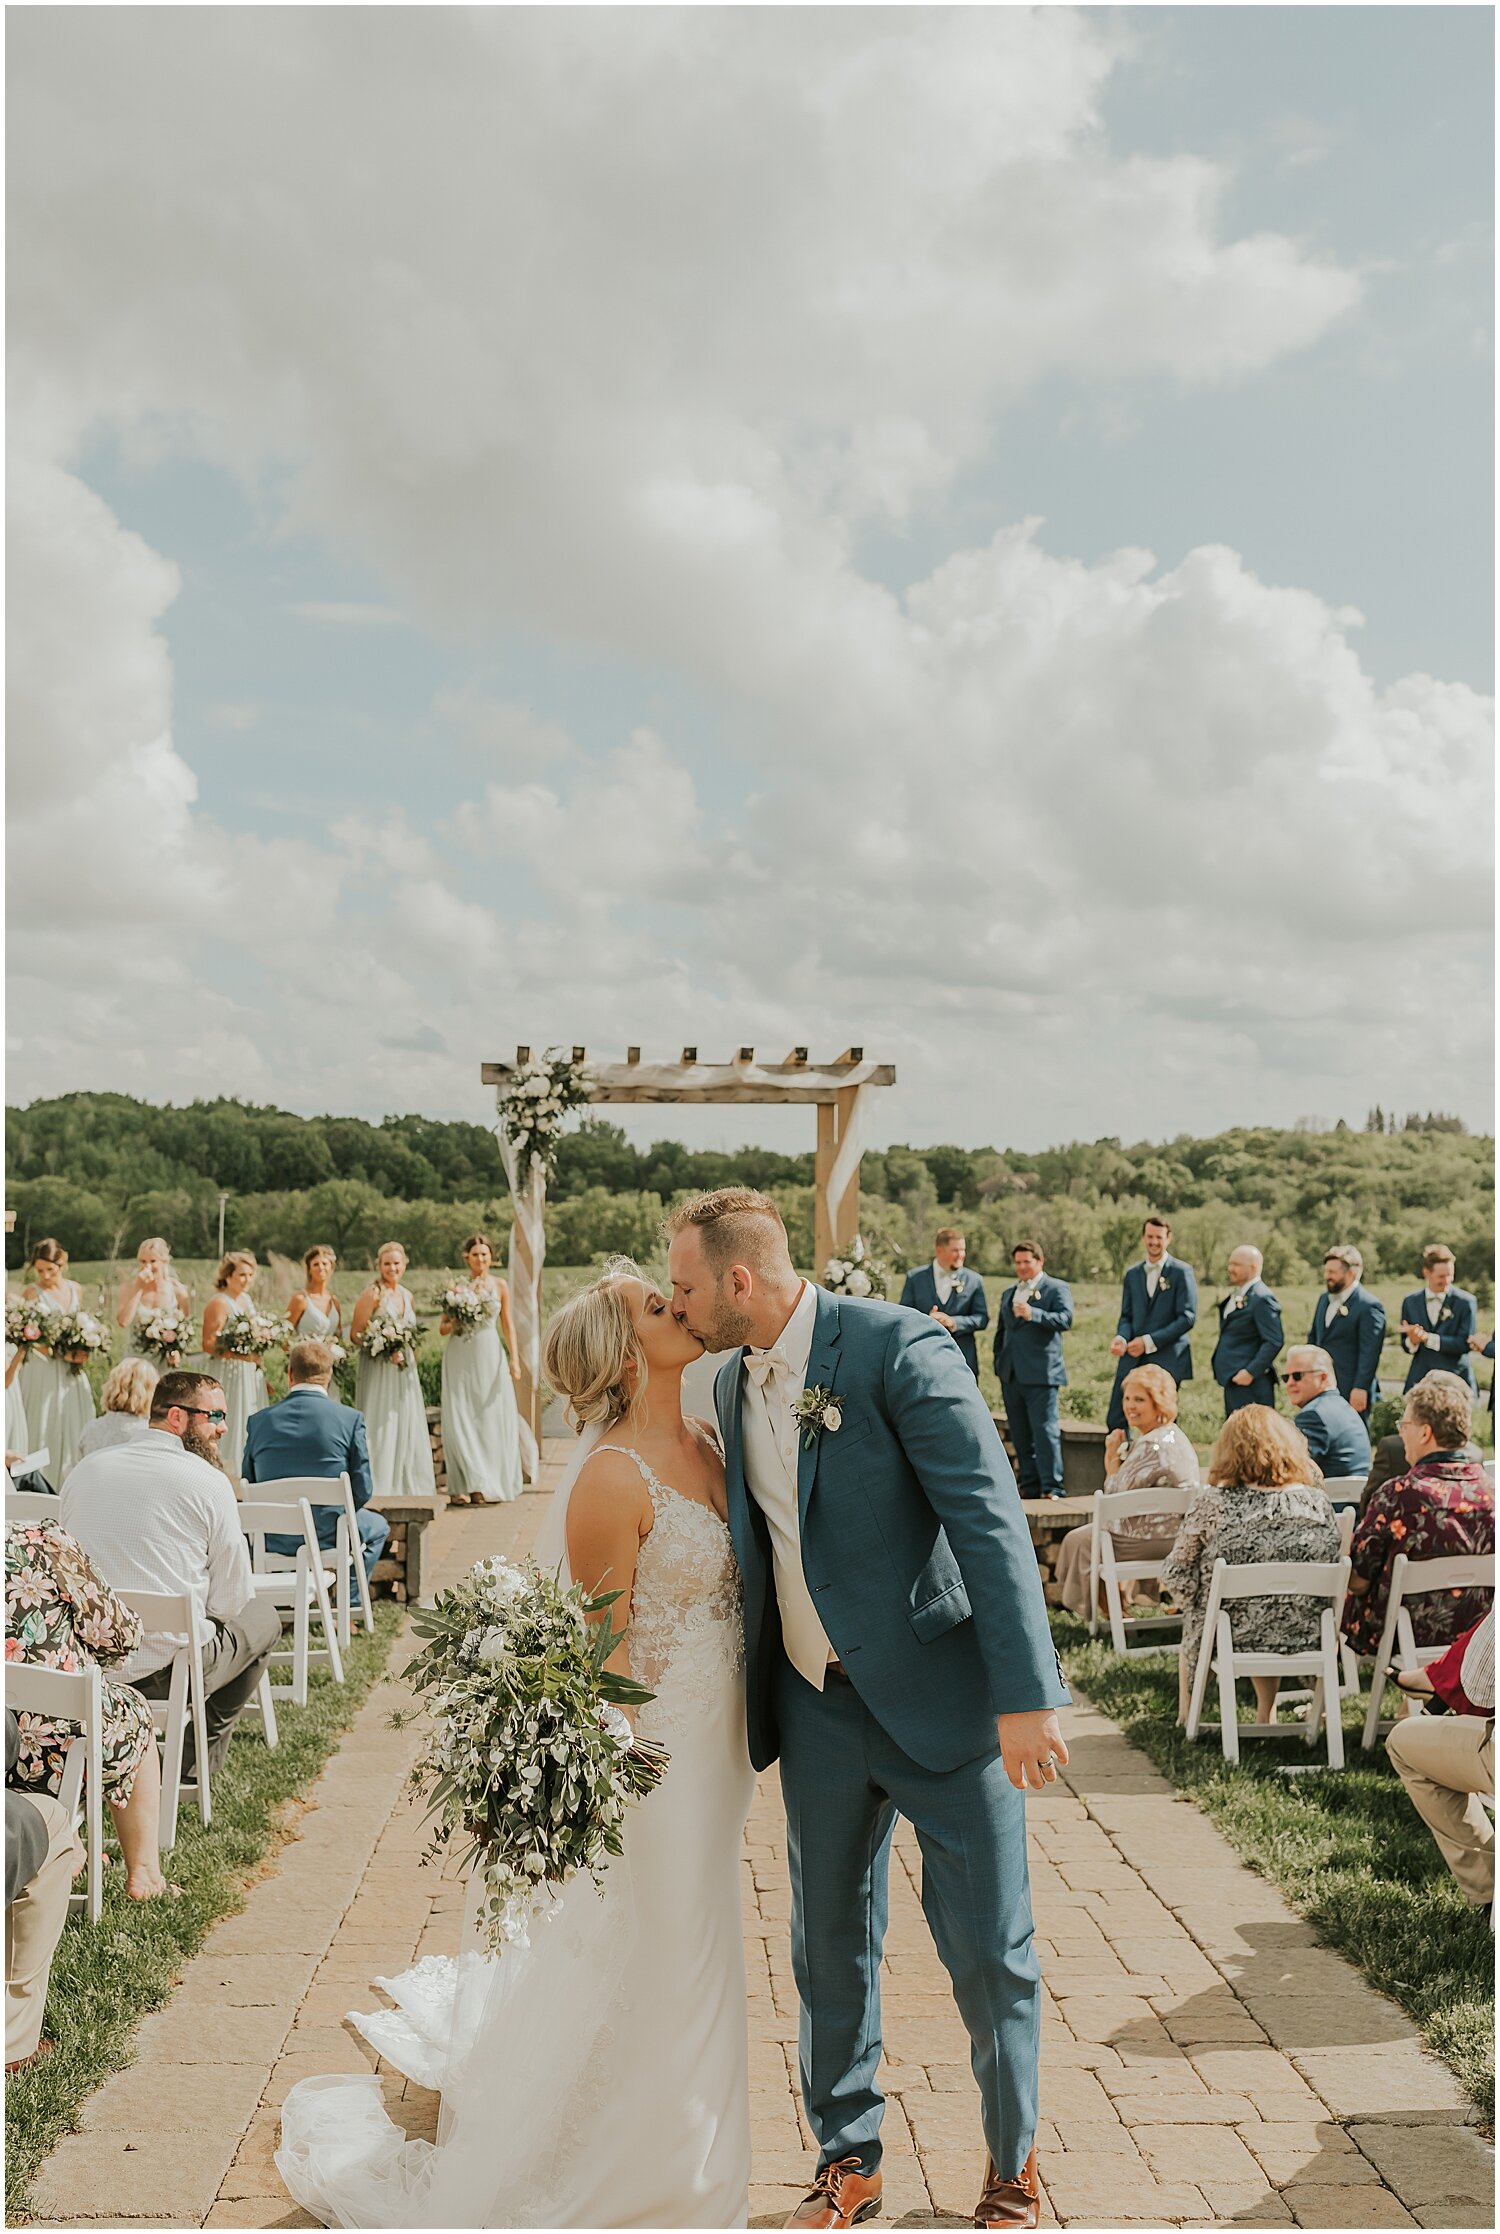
(1335, 1433)
(157, 1513)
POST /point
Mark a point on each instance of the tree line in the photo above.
(102, 1171)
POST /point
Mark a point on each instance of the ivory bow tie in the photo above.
(761, 1364)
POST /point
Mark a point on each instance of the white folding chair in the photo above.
(25, 1504)
(1107, 1570)
(1277, 1578)
(1415, 1578)
(76, 1696)
(347, 1556)
(173, 1613)
(1345, 1490)
(298, 1585)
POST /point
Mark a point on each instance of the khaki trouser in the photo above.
(1444, 1760)
(33, 1926)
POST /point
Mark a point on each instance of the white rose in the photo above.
(859, 1283)
(837, 1269)
(492, 1645)
(833, 1419)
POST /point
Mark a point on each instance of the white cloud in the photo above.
(346, 613)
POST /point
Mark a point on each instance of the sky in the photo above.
(963, 532)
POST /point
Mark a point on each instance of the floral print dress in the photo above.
(1243, 1527)
(60, 1613)
(1442, 1508)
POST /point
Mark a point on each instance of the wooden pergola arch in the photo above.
(839, 1091)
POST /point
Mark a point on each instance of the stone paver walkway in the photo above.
(1204, 2060)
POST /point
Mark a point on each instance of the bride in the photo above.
(598, 2077)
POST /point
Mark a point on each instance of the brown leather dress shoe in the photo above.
(1016, 2202)
(842, 2194)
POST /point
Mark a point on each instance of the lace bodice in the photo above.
(686, 1638)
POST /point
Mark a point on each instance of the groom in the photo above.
(897, 1660)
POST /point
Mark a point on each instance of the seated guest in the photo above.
(42, 1856)
(125, 1406)
(1244, 1362)
(311, 1433)
(1349, 1323)
(1441, 1507)
(1160, 1457)
(1447, 1761)
(1035, 1314)
(1334, 1432)
(60, 1613)
(1263, 1502)
(1437, 1320)
(157, 1513)
(1158, 1311)
(945, 1291)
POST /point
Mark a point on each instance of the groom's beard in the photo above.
(728, 1329)
(202, 1446)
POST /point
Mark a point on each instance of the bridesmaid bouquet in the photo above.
(253, 1335)
(77, 1336)
(465, 1306)
(391, 1340)
(530, 1760)
(25, 1326)
(858, 1274)
(164, 1336)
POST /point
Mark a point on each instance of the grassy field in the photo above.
(1086, 1348)
(1346, 1848)
(107, 1977)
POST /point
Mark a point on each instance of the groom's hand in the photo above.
(1032, 1748)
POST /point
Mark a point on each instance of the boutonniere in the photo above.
(1446, 1313)
(815, 1410)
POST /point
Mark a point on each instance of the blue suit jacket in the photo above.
(1249, 1339)
(968, 1306)
(1168, 1317)
(1353, 1340)
(1336, 1435)
(310, 1433)
(1460, 1319)
(1030, 1351)
(914, 1542)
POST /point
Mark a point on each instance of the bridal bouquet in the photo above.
(25, 1326)
(77, 1336)
(465, 1306)
(393, 1341)
(165, 1336)
(253, 1334)
(857, 1274)
(530, 1759)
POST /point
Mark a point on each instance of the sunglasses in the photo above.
(197, 1411)
(1302, 1376)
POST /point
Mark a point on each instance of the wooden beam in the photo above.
(690, 1055)
(851, 1055)
(523, 1055)
(745, 1055)
(632, 1054)
(736, 1082)
(580, 1054)
(797, 1058)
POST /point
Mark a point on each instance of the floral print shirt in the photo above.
(1443, 1507)
(61, 1613)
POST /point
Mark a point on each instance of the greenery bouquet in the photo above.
(77, 1336)
(253, 1335)
(465, 1306)
(531, 1760)
(391, 1340)
(166, 1337)
(26, 1328)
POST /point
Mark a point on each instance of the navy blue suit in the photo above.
(967, 1306)
(310, 1433)
(1336, 1435)
(1458, 1319)
(1353, 1339)
(1029, 1362)
(1249, 1340)
(1168, 1317)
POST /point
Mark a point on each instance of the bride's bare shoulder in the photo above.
(706, 1432)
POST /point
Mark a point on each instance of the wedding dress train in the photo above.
(599, 2076)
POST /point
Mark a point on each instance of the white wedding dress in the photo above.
(598, 2077)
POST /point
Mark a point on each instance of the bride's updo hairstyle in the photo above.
(591, 1344)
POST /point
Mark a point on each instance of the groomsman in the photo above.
(945, 1291)
(1437, 1320)
(1250, 1335)
(1349, 1323)
(1035, 1314)
(1334, 1432)
(1158, 1311)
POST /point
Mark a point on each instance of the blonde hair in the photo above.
(1444, 1403)
(380, 1252)
(591, 1345)
(130, 1387)
(1258, 1449)
(1157, 1383)
(736, 1225)
(157, 1247)
(245, 1257)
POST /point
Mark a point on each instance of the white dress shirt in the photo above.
(151, 1516)
(1339, 1304)
(1153, 1273)
(1477, 1668)
(945, 1279)
(1435, 1302)
(771, 1443)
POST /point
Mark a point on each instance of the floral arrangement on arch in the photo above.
(538, 1099)
(857, 1274)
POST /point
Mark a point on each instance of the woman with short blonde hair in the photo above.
(125, 1407)
(1159, 1457)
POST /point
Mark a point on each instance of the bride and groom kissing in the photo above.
(835, 1574)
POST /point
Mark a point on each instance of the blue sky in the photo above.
(602, 601)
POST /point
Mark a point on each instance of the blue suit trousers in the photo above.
(1037, 1433)
(1260, 1391)
(844, 1781)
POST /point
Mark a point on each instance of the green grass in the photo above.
(107, 1976)
(1346, 1848)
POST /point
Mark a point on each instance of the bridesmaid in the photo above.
(242, 1379)
(314, 1310)
(390, 1395)
(17, 1443)
(155, 1286)
(481, 1429)
(59, 1402)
